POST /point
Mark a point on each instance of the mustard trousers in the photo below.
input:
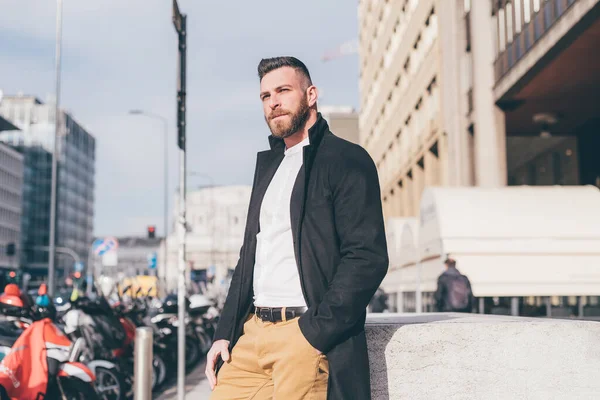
(273, 361)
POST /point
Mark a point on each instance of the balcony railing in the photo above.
(541, 22)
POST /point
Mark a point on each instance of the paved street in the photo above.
(196, 387)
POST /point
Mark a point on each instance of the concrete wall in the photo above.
(454, 356)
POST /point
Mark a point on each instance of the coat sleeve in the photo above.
(227, 319)
(364, 258)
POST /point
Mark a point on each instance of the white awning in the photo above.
(514, 241)
(402, 249)
(401, 241)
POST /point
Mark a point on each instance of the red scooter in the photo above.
(41, 365)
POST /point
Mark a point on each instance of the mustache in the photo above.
(276, 114)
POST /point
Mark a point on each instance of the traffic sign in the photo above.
(98, 243)
(110, 259)
(152, 261)
(103, 246)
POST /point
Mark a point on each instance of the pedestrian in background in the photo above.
(453, 292)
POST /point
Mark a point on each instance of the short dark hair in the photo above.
(267, 65)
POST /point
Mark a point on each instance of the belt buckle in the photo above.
(266, 314)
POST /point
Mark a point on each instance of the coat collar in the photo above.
(315, 134)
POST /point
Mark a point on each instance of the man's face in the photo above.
(283, 93)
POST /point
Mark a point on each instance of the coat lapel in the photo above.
(267, 163)
(298, 201)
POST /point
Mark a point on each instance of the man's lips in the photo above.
(278, 116)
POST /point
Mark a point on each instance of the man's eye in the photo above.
(265, 97)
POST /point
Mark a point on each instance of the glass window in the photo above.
(518, 20)
(501, 30)
(526, 11)
(536, 6)
(509, 23)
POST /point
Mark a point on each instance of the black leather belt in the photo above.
(276, 314)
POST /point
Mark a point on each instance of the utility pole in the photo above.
(54, 181)
(179, 21)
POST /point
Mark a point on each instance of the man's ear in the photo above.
(312, 94)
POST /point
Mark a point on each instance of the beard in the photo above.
(297, 120)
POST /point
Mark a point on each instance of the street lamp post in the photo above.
(166, 173)
(179, 22)
(54, 183)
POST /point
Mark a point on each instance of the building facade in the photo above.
(478, 93)
(11, 189)
(418, 113)
(216, 218)
(76, 172)
(342, 121)
(35, 226)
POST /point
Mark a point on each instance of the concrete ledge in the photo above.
(462, 356)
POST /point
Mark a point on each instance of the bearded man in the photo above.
(314, 253)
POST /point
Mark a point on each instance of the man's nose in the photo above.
(274, 102)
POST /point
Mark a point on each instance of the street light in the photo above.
(54, 183)
(166, 171)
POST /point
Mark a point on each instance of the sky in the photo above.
(121, 55)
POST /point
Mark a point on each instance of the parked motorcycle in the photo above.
(26, 375)
(167, 322)
(109, 334)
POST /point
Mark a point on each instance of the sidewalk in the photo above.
(196, 386)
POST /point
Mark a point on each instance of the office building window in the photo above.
(509, 23)
(526, 11)
(472, 156)
(518, 20)
(468, 32)
(501, 31)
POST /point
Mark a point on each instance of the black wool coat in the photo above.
(340, 249)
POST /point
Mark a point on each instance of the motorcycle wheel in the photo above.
(74, 389)
(204, 339)
(159, 371)
(110, 384)
(193, 354)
